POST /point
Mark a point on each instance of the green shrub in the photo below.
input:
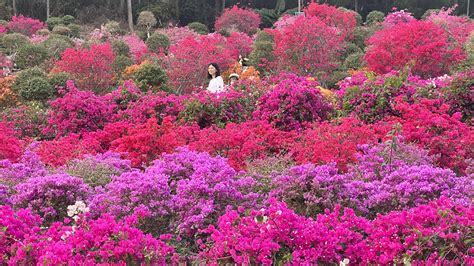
(30, 56)
(53, 22)
(141, 34)
(62, 30)
(75, 30)
(374, 17)
(351, 48)
(262, 51)
(37, 89)
(56, 44)
(120, 48)
(158, 42)
(43, 32)
(151, 77)
(353, 61)
(59, 79)
(10, 43)
(93, 173)
(114, 28)
(33, 85)
(199, 28)
(3, 22)
(120, 63)
(68, 19)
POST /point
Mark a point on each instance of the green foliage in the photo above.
(5, 11)
(11, 43)
(262, 51)
(53, 22)
(59, 79)
(75, 30)
(68, 19)
(120, 63)
(361, 34)
(351, 48)
(374, 17)
(62, 30)
(353, 61)
(32, 84)
(30, 56)
(94, 174)
(56, 44)
(158, 42)
(43, 32)
(162, 11)
(151, 77)
(120, 48)
(114, 28)
(199, 28)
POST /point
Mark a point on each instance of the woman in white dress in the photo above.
(216, 83)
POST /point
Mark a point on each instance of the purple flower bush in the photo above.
(50, 195)
(183, 192)
(388, 177)
(291, 102)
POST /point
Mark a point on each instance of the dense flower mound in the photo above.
(10, 146)
(50, 195)
(276, 234)
(184, 191)
(291, 103)
(238, 19)
(88, 241)
(24, 25)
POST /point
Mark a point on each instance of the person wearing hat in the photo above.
(234, 77)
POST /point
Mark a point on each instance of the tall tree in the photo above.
(130, 17)
(47, 9)
(14, 7)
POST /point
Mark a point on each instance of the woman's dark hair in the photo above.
(218, 71)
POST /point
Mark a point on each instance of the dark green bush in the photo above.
(68, 19)
(374, 17)
(62, 30)
(199, 28)
(59, 79)
(158, 42)
(32, 84)
(151, 77)
(75, 30)
(10, 43)
(43, 32)
(53, 22)
(120, 63)
(353, 61)
(30, 56)
(120, 48)
(351, 48)
(56, 44)
(262, 50)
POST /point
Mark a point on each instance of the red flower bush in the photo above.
(145, 143)
(344, 20)
(428, 124)
(243, 143)
(90, 68)
(421, 43)
(187, 64)
(77, 112)
(338, 143)
(10, 146)
(293, 102)
(24, 25)
(238, 19)
(458, 27)
(308, 47)
(239, 44)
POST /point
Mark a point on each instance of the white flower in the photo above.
(344, 262)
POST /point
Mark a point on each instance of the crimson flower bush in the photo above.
(24, 25)
(10, 146)
(344, 20)
(422, 44)
(238, 19)
(308, 46)
(90, 68)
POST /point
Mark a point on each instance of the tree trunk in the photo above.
(356, 6)
(130, 17)
(223, 6)
(47, 9)
(121, 7)
(468, 6)
(14, 7)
